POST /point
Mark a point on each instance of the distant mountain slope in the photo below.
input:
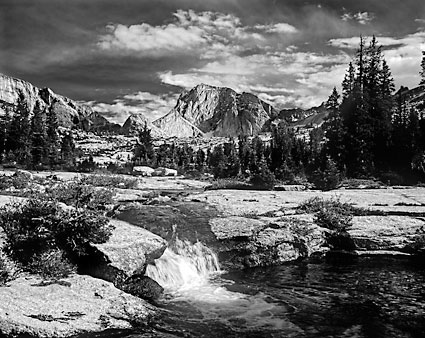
(175, 125)
(70, 113)
(217, 111)
(298, 117)
(136, 122)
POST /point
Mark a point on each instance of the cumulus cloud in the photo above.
(362, 18)
(151, 105)
(402, 54)
(206, 33)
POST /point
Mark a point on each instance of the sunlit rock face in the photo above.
(216, 111)
(136, 122)
(70, 113)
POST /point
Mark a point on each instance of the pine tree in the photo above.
(422, 72)
(334, 130)
(38, 137)
(348, 82)
(144, 152)
(4, 129)
(68, 149)
(18, 136)
(53, 139)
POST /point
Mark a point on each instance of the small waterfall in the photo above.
(184, 266)
(190, 274)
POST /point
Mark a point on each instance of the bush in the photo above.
(333, 219)
(79, 194)
(228, 183)
(111, 181)
(36, 228)
(52, 264)
(316, 204)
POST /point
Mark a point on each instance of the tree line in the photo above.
(370, 132)
(34, 140)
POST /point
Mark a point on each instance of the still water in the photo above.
(365, 297)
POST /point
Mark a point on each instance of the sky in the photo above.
(125, 56)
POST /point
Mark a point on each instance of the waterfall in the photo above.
(190, 273)
(184, 266)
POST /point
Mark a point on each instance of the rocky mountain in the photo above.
(412, 99)
(69, 112)
(216, 111)
(298, 117)
(136, 121)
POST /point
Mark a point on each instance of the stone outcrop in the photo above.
(216, 111)
(32, 307)
(136, 122)
(126, 253)
(70, 113)
(247, 242)
(175, 125)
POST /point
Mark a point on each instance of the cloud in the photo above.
(151, 105)
(206, 34)
(362, 18)
(402, 54)
(277, 28)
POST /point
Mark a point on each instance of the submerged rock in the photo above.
(72, 306)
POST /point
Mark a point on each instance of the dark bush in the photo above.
(37, 227)
(334, 219)
(52, 264)
(328, 178)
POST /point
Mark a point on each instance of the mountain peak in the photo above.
(217, 111)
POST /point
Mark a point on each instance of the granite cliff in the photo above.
(216, 111)
(69, 112)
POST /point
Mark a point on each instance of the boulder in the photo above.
(142, 287)
(386, 233)
(126, 253)
(247, 242)
(143, 171)
(79, 304)
(165, 172)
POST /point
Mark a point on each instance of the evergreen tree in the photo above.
(144, 152)
(18, 136)
(348, 82)
(4, 130)
(68, 149)
(334, 130)
(422, 72)
(38, 137)
(53, 143)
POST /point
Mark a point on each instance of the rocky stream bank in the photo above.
(245, 228)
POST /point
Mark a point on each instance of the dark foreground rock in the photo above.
(76, 305)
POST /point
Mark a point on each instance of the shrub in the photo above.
(316, 204)
(52, 264)
(333, 219)
(228, 183)
(112, 181)
(79, 194)
(37, 227)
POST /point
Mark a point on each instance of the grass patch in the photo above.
(110, 181)
(229, 184)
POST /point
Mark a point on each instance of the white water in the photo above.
(190, 273)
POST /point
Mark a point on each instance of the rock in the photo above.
(69, 113)
(126, 253)
(142, 287)
(175, 125)
(386, 233)
(164, 172)
(143, 171)
(235, 227)
(136, 122)
(76, 305)
(249, 242)
(23, 174)
(215, 111)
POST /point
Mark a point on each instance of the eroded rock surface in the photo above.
(76, 305)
